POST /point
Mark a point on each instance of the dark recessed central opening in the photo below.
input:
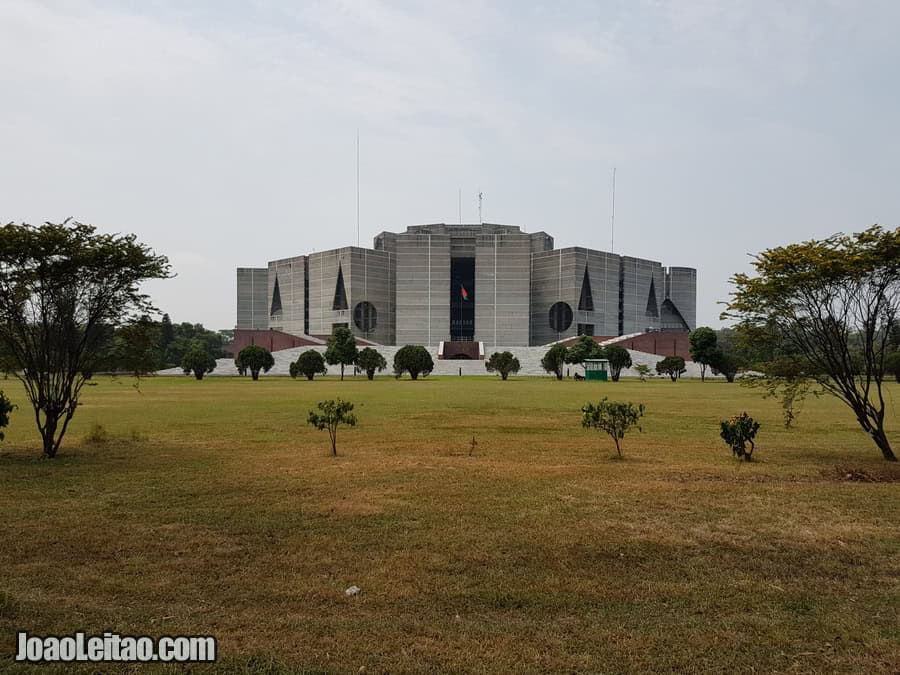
(462, 298)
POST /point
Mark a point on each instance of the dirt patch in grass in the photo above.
(867, 475)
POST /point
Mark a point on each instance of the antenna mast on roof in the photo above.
(480, 199)
(612, 219)
(357, 188)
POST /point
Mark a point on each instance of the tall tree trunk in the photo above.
(342, 372)
(881, 441)
(48, 437)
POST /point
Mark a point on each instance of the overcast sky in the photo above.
(224, 134)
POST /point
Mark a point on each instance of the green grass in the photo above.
(210, 507)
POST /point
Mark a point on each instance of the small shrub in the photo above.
(554, 360)
(414, 359)
(198, 361)
(643, 370)
(332, 413)
(738, 432)
(310, 363)
(6, 407)
(503, 363)
(368, 360)
(97, 435)
(613, 417)
(673, 366)
(619, 358)
(254, 358)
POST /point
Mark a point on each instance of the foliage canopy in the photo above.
(584, 348)
(6, 407)
(413, 359)
(198, 361)
(341, 349)
(704, 348)
(369, 360)
(503, 363)
(309, 364)
(554, 360)
(254, 358)
(673, 366)
(619, 358)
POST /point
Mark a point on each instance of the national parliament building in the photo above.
(489, 283)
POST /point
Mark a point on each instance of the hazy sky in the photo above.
(224, 134)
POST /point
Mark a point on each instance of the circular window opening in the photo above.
(364, 316)
(560, 317)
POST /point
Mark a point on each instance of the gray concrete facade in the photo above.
(252, 297)
(491, 283)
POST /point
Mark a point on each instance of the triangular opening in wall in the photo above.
(652, 308)
(276, 298)
(340, 294)
(586, 302)
(671, 317)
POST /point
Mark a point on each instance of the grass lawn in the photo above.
(213, 508)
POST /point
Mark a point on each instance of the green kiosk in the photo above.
(596, 369)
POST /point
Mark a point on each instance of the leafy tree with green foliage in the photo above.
(643, 370)
(310, 363)
(166, 333)
(673, 366)
(341, 349)
(732, 354)
(503, 363)
(369, 360)
(737, 433)
(584, 348)
(723, 363)
(198, 361)
(6, 407)
(784, 375)
(7, 362)
(254, 358)
(135, 348)
(413, 359)
(185, 335)
(619, 358)
(554, 360)
(834, 302)
(613, 417)
(62, 287)
(892, 364)
(703, 348)
(332, 413)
